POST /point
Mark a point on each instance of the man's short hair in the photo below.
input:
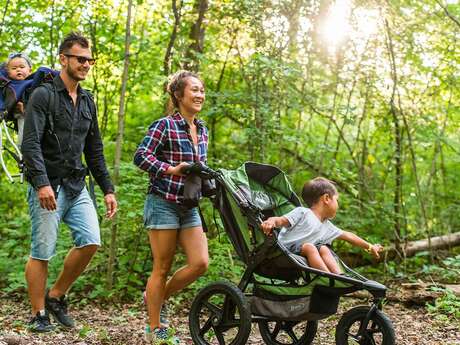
(71, 39)
(314, 189)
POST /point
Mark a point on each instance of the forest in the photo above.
(362, 92)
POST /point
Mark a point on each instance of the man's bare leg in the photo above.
(36, 275)
(74, 264)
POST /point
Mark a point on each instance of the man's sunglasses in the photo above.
(82, 59)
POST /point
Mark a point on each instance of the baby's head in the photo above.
(18, 66)
(321, 193)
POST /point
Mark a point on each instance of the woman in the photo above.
(172, 143)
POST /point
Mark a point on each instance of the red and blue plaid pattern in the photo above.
(168, 143)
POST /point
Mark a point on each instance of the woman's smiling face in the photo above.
(193, 98)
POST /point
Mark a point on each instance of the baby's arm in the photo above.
(273, 222)
(357, 241)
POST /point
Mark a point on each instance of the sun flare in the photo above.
(343, 22)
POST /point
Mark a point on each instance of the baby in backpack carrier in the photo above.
(309, 232)
(18, 67)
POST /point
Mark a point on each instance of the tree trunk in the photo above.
(448, 14)
(197, 37)
(119, 142)
(51, 52)
(5, 10)
(168, 55)
(397, 199)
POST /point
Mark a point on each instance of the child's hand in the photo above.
(20, 107)
(375, 250)
(267, 226)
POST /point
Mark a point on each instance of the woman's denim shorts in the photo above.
(160, 214)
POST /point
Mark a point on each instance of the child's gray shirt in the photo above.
(305, 227)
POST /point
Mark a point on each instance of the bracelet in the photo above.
(368, 249)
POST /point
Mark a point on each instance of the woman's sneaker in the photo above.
(40, 323)
(163, 311)
(161, 336)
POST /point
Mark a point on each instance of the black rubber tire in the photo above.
(283, 332)
(218, 308)
(379, 330)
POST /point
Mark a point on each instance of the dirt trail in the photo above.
(124, 324)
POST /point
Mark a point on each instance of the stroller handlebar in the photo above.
(199, 169)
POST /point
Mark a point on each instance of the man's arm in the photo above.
(357, 241)
(94, 156)
(34, 127)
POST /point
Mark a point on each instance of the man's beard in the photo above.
(72, 74)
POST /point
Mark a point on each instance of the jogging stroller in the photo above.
(278, 289)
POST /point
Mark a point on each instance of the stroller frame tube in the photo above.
(16, 154)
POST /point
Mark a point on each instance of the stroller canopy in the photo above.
(264, 186)
(253, 190)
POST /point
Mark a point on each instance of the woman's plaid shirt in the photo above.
(168, 142)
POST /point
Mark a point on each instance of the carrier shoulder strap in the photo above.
(92, 107)
(53, 104)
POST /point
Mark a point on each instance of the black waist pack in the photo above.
(195, 187)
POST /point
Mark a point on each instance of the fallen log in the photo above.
(408, 250)
(439, 242)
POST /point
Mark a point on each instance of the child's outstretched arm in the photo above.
(357, 241)
(273, 222)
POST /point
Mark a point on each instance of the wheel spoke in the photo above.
(212, 308)
(206, 327)
(292, 334)
(353, 337)
(219, 335)
(276, 330)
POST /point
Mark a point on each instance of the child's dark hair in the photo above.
(176, 87)
(314, 189)
(71, 39)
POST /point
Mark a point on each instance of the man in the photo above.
(61, 125)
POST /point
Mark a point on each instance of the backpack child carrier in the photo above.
(12, 92)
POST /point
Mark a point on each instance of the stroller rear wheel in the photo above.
(220, 314)
(379, 330)
(288, 332)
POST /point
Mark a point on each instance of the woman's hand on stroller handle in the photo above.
(197, 169)
(178, 170)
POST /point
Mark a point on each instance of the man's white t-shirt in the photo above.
(305, 227)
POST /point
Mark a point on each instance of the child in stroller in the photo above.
(309, 232)
(279, 290)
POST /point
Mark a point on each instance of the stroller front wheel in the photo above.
(282, 332)
(220, 314)
(379, 329)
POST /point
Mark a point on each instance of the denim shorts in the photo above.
(78, 213)
(160, 214)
